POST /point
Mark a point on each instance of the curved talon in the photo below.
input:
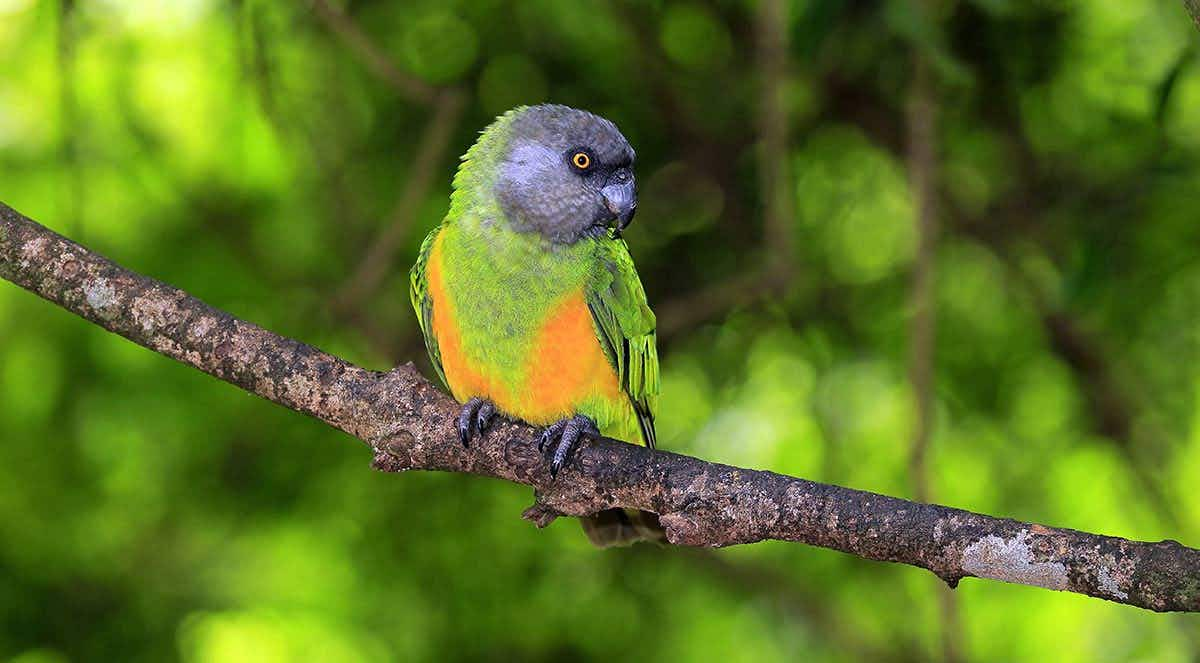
(474, 417)
(568, 432)
(483, 418)
(552, 431)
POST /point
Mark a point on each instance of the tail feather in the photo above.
(622, 527)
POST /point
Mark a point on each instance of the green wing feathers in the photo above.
(625, 325)
(422, 302)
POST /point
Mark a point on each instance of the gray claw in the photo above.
(483, 418)
(474, 417)
(568, 431)
(552, 431)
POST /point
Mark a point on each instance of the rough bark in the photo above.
(1193, 8)
(408, 424)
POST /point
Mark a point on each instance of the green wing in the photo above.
(423, 303)
(625, 326)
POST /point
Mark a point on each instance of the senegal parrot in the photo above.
(529, 301)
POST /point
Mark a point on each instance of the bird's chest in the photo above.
(516, 329)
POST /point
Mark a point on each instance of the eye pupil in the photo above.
(581, 160)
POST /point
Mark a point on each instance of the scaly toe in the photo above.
(552, 432)
(466, 420)
(483, 418)
(573, 430)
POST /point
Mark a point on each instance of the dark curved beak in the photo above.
(621, 200)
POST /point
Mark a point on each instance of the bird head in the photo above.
(563, 173)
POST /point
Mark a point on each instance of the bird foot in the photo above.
(474, 418)
(561, 437)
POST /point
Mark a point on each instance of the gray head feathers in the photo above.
(565, 174)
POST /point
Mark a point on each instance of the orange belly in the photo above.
(566, 367)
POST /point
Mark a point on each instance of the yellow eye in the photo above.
(581, 160)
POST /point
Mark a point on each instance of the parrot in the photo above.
(528, 299)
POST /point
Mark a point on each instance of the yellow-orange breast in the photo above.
(565, 371)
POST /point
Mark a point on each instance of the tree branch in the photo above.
(922, 166)
(921, 117)
(431, 150)
(687, 311)
(778, 188)
(372, 56)
(1193, 8)
(775, 182)
(408, 424)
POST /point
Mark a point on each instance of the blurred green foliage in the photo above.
(239, 149)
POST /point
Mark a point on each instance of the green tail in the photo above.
(622, 527)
